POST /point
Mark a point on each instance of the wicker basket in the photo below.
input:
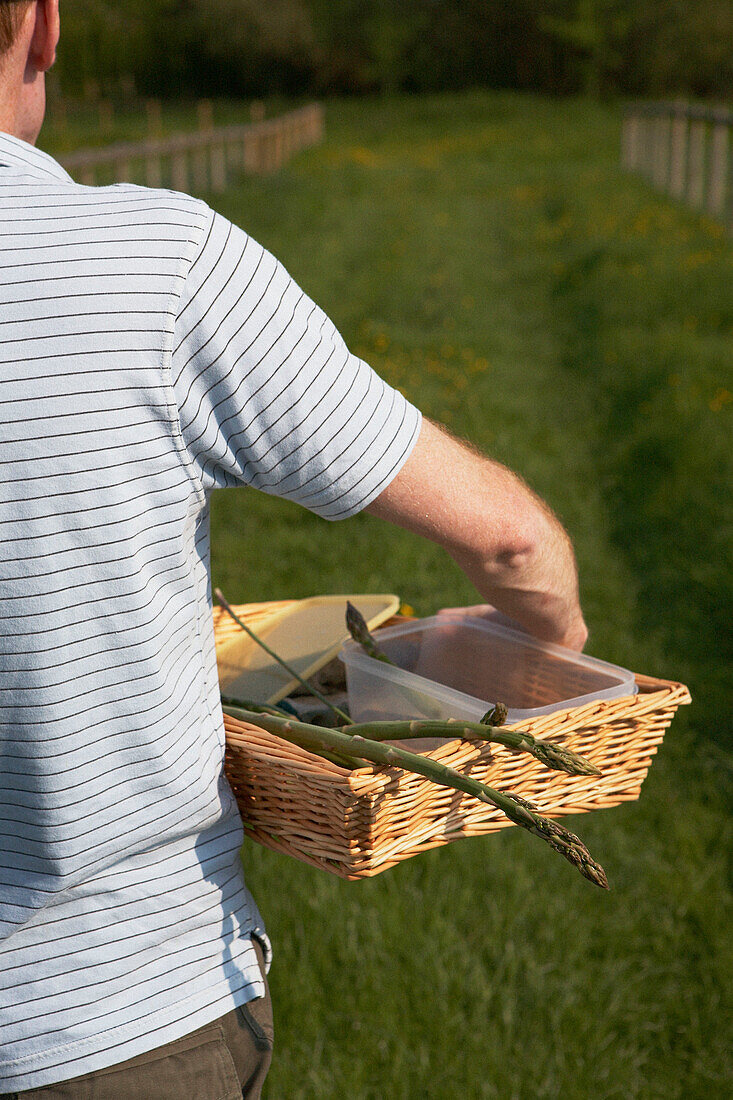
(356, 823)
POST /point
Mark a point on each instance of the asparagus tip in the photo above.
(495, 716)
(567, 844)
(563, 759)
(359, 631)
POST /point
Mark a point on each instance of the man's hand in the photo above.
(486, 611)
(505, 539)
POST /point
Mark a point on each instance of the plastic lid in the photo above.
(465, 664)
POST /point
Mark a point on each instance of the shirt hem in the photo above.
(220, 999)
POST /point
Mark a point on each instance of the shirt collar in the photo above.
(18, 154)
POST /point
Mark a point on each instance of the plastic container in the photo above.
(457, 666)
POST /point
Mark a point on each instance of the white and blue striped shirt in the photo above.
(149, 352)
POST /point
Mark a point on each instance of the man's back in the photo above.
(148, 353)
(118, 830)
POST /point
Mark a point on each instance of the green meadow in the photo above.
(485, 253)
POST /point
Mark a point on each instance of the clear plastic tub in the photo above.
(457, 666)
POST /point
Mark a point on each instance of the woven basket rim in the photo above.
(651, 692)
(249, 734)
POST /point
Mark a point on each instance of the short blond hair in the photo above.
(11, 16)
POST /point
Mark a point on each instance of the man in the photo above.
(149, 353)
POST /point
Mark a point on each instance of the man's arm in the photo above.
(505, 539)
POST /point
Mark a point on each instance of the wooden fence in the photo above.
(683, 150)
(202, 160)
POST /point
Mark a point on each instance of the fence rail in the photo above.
(202, 160)
(684, 150)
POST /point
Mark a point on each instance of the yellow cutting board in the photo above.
(306, 635)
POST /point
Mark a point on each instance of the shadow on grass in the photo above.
(662, 454)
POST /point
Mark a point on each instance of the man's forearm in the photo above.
(504, 538)
(538, 586)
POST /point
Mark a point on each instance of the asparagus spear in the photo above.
(553, 756)
(258, 708)
(309, 687)
(318, 739)
(359, 631)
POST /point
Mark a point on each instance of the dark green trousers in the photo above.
(224, 1060)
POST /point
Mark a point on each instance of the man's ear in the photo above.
(42, 53)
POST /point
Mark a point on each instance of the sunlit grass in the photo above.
(488, 257)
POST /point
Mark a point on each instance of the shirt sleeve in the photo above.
(268, 394)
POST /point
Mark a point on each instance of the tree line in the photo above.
(264, 47)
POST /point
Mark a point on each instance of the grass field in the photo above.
(485, 253)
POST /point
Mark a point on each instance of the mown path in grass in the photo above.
(485, 253)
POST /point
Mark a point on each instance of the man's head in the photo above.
(29, 32)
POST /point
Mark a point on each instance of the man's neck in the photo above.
(22, 101)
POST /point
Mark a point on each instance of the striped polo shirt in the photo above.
(150, 352)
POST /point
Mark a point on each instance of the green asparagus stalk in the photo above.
(553, 756)
(359, 631)
(318, 739)
(288, 668)
(258, 708)
(246, 711)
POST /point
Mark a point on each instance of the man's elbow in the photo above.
(515, 549)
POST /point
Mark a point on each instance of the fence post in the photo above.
(678, 155)
(644, 144)
(106, 116)
(200, 167)
(696, 164)
(153, 168)
(123, 170)
(249, 152)
(272, 164)
(660, 171)
(280, 144)
(231, 150)
(155, 117)
(87, 175)
(266, 150)
(718, 175)
(630, 134)
(205, 115)
(260, 158)
(218, 166)
(179, 168)
(318, 121)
